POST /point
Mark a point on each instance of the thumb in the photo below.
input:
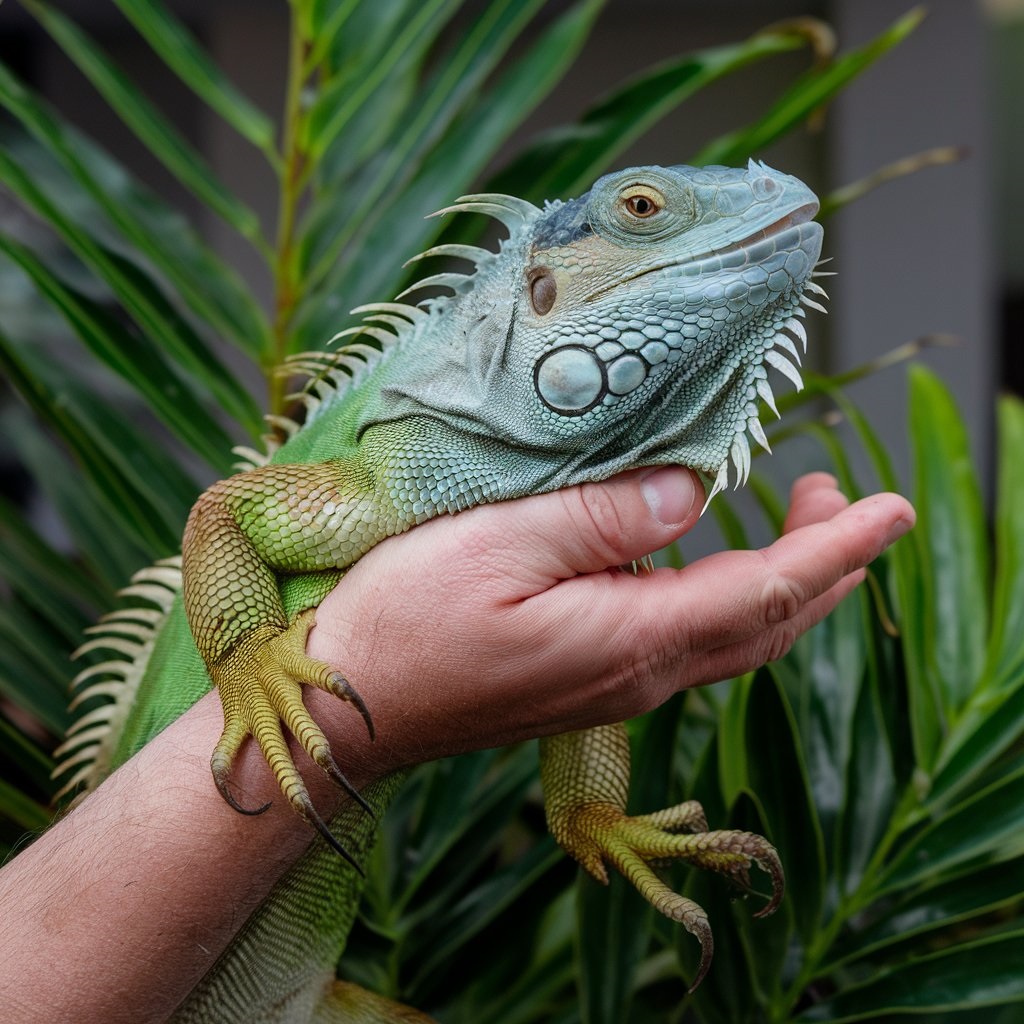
(593, 526)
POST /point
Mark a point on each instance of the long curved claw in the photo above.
(346, 691)
(308, 812)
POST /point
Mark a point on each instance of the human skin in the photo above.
(480, 630)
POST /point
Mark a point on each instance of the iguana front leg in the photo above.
(242, 533)
(586, 784)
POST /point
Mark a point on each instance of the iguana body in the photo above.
(628, 327)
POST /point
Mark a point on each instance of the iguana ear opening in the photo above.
(543, 290)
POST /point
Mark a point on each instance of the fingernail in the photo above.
(897, 530)
(670, 494)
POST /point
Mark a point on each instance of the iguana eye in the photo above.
(642, 201)
(640, 206)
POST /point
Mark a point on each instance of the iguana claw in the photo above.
(260, 685)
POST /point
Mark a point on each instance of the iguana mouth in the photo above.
(800, 215)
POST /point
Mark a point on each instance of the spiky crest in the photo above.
(130, 633)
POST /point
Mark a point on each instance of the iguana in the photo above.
(633, 326)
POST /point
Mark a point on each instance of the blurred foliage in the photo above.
(886, 766)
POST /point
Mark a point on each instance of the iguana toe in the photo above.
(260, 685)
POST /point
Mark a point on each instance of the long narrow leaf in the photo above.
(146, 494)
(449, 169)
(211, 289)
(968, 976)
(141, 297)
(180, 52)
(152, 128)
(805, 96)
(567, 159)
(130, 356)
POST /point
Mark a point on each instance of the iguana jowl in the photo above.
(630, 327)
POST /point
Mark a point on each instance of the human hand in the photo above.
(501, 624)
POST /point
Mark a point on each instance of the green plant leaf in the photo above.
(1005, 667)
(132, 357)
(988, 824)
(567, 159)
(206, 285)
(341, 100)
(924, 910)
(21, 809)
(144, 491)
(151, 127)
(140, 296)
(952, 523)
(968, 976)
(83, 514)
(805, 96)
(180, 52)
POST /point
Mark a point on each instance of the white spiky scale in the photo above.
(98, 716)
(111, 627)
(395, 322)
(86, 754)
(108, 642)
(795, 327)
(411, 313)
(511, 218)
(87, 736)
(785, 367)
(82, 775)
(817, 289)
(107, 688)
(248, 458)
(386, 338)
(148, 616)
(101, 668)
(758, 434)
(720, 484)
(782, 340)
(807, 301)
(740, 453)
(523, 207)
(451, 280)
(285, 424)
(765, 393)
(474, 253)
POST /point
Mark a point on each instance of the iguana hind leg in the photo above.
(586, 785)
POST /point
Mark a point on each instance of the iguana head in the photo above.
(631, 326)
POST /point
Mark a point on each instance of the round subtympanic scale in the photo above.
(570, 379)
(625, 374)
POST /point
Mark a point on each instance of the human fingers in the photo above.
(813, 498)
(535, 542)
(725, 614)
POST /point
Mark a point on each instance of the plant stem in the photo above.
(293, 161)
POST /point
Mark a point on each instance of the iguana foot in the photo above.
(599, 833)
(586, 785)
(260, 685)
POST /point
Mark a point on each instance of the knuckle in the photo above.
(779, 642)
(593, 507)
(782, 596)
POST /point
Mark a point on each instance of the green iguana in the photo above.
(633, 326)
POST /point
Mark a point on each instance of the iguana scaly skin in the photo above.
(632, 326)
